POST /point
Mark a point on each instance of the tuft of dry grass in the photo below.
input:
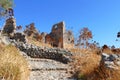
(13, 66)
(84, 63)
(86, 66)
(85, 51)
(103, 73)
(78, 50)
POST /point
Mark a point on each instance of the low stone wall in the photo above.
(33, 51)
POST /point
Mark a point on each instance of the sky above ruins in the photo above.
(102, 17)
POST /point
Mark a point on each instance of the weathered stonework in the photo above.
(33, 51)
(31, 30)
(68, 40)
(10, 26)
(19, 37)
(43, 34)
(59, 37)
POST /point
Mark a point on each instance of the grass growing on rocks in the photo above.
(13, 66)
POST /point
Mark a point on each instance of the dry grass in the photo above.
(102, 73)
(85, 51)
(37, 43)
(13, 66)
(78, 50)
(108, 51)
(86, 66)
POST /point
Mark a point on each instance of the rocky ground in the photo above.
(54, 66)
(46, 69)
(53, 63)
(49, 63)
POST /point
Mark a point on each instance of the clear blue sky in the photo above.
(102, 17)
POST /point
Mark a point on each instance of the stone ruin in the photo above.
(59, 37)
(10, 25)
(33, 51)
(9, 28)
(31, 30)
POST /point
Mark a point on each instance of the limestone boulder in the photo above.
(111, 61)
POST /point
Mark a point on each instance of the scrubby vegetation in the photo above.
(37, 43)
(5, 5)
(84, 63)
(86, 54)
(86, 60)
(13, 66)
(86, 66)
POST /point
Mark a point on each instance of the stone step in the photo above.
(46, 64)
(47, 69)
(50, 69)
(49, 75)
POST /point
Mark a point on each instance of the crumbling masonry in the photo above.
(58, 37)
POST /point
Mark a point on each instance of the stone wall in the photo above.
(59, 37)
(10, 26)
(33, 51)
(68, 40)
(43, 34)
(55, 38)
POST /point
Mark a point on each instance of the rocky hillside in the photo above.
(46, 69)
(53, 63)
(44, 63)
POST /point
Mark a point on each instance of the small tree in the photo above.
(84, 35)
(4, 6)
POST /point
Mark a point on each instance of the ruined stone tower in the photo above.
(55, 38)
(58, 31)
(59, 37)
(10, 25)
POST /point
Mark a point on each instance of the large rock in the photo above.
(111, 61)
(5, 40)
